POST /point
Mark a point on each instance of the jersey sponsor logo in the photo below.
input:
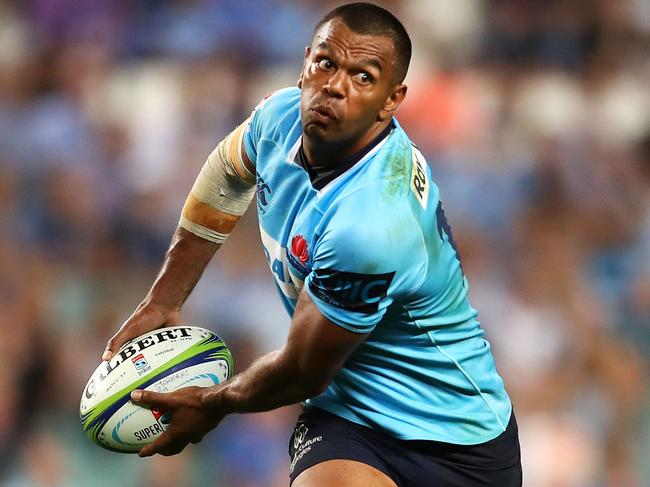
(351, 291)
(419, 182)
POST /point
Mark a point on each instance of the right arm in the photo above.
(219, 197)
(187, 257)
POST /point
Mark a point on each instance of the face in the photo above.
(349, 90)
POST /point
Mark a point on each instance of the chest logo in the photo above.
(299, 248)
(298, 257)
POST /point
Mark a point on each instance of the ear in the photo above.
(394, 100)
(304, 65)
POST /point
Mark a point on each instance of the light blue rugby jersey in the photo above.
(376, 254)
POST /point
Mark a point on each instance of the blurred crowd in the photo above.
(534, 117)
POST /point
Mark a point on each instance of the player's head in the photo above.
(369, 19)
(353, 71)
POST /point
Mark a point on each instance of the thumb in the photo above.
(153, 399)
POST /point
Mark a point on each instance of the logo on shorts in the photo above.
(302, 445)
(299, 435)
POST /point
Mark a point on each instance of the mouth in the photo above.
(323, 113)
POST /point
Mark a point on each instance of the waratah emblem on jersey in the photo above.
(299, 248)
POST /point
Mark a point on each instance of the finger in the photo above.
(122, 336)
(131, 329)
(197, 439)
(165, 445)
(141, 321)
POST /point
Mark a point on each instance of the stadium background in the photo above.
(535, 119)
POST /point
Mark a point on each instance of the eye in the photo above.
(363, 78)
(325, 64)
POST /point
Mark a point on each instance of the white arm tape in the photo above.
(224, 184)
(203, 232)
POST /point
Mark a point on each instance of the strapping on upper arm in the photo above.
(222, 191)
(231, 153)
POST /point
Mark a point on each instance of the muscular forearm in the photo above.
(271, 382)
(315, 351)
(185, 261)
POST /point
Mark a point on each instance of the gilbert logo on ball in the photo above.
(162, 360)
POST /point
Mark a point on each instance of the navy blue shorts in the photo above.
(320, 436)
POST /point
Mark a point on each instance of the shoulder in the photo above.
(394, 182)
(385, 206)
(273, 119)
(276, 104)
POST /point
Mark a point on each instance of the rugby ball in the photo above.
(162, 360)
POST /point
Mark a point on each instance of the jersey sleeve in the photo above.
(263, 120)
(360, 266)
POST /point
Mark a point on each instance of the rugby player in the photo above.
(398, 383)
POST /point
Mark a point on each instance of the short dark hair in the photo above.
(368, 19)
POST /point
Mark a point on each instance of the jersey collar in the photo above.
(321, 176)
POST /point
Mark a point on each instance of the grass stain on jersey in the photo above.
(398, 178)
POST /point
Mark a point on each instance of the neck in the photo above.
(320, 153)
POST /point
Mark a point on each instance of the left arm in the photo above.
(315, 350)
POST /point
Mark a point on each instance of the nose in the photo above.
(335, 85)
